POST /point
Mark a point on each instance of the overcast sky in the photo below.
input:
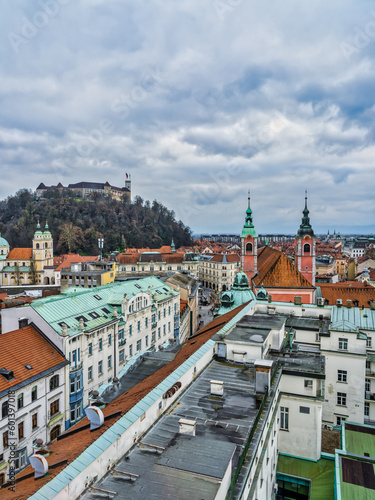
(199, 100)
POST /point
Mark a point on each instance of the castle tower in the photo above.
(42, 248)
(305, 247)
(249, 245)
(128, 184)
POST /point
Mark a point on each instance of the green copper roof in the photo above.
(305, 227)
(239, 294)
(46, 229)
(3, 242)
(73, 303)
(38, 231)
(248, 228)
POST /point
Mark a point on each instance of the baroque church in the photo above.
(27, 266)
(268, 274)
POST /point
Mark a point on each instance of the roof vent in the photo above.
(217, 387)
(8, 374)
(297, 300)
(39, 464)
(96, 417)
(64, 330)
(320, 301)
(187, 426)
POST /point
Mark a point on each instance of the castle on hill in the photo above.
(87, 189)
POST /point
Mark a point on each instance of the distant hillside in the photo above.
(77, 223)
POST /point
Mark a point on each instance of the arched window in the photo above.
(55, 432)
(4, 409)
(249, 247)
(45, 245)
(54, 382)
(37, 246)
(306, 248)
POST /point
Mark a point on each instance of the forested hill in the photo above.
(77, 223)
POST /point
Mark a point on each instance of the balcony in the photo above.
(154, 324)
(76, 367)
(121, 342)
(369, 396)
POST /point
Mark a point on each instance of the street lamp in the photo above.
(101, 245)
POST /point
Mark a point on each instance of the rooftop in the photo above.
(352, 319)
(25, 348)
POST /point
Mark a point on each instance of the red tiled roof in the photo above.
(173, 258)
(231, 257)
(348, 290)
(22, 347)
(72, 259)
(20, 254)
(276, 270)
(72, 446)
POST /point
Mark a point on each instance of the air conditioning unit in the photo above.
(339, 302)
(320, 301)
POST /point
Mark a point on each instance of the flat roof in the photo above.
(191, 466)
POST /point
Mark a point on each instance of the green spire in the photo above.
(38, 231)
(305, 227)
(173, 247)
(46, 229)
(248, 227)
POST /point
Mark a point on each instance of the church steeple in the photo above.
(248, 227)
(305, 227)
(249, 244)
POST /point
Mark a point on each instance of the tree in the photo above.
(70, 236)
(33, 275)
(17, 272)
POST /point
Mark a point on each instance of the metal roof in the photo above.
(352, 319)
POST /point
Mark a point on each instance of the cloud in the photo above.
(199, 105)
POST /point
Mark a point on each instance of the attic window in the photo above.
(138, 286)
(62, 323)
(159, 292)
(84, 319)
(166, 290)
(105, 310)
(29, 367)
(94, 315)
(8, 374)
(98, 297)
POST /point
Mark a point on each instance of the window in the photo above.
(343, 344)
(153, 337)
(100, 344)
(100, 368)
(342, 375)
(146, 322)
(139, 326)
(367, 409)
(89, 373)
(20, 431)
(306, 248)
(284, 418)
(121, 356)
(304, 409)
(164, 312)
(34, 393)
(341, 398)
(55, 432)
(20, 401)
(169, 326)
(75, 412)
(4, 409)
(130, 350)
(72, 386)
(54, 407)
(20, 458)
(34, 420)
(54, 382)
(110, 339)
(159, 335)
(139, 345)
(367, 385)
(5, 439)
(339, 420)
(368, 342)
(159, 315)
(109, 362)
(308, 384)
(146, 340)
(90, 349)
(249, 247)
(130, 330)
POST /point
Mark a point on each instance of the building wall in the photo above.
(217, 275)
(40, 407)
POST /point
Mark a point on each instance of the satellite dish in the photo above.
(39, 464)
(96, 417)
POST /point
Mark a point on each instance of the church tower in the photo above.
(305, 247)
(249, 245)
(42, 248)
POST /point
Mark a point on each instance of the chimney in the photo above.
(64, 330)
(187, 426)
(349, 303)
(297, 300)
(262, 375)
(217, 387)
